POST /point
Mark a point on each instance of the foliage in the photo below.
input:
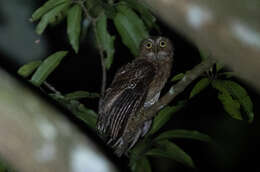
(46, 67)
(133, 22)
(105, 40)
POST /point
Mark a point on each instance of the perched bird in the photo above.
(136, 86)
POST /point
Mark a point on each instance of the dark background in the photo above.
(236, 141)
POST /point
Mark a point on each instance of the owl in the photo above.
(135, 87)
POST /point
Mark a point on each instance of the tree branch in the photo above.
(174, 91)
(179, 87)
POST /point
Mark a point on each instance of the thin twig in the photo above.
(51, 88)
(101, 52)
(81, 3)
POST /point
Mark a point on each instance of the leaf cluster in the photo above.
(133, 22)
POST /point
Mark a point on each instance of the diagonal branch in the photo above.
(179, 87)
(174, 91)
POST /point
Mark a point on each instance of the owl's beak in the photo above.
(156, 52)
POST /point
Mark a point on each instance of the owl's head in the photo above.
(156, 48)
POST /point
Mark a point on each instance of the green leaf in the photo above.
(51, 17)
(241, 95)
(46, 7)
(231, 106)
(219, 66)
(88, 116)
(27, 69)
(164, 116)
(130, 27)
(184, 134)
(4, 167)
(178, 77)
(144, 12)
(203, 54)
(167, 149)
(81, 94)
(142, 165)
(199, 86)
(47, 66)
(139, 149)
(105, 40)
(74, 26)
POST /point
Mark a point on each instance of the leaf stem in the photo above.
(101, 52)
(51, 88)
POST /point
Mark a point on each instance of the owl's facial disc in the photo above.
(156, 48)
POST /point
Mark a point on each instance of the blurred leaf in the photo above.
(142, 165)
(164, 116)
(47, 66)
(139, 149)
(219, 66)
(203, 54)
(50, 17)
(5, 167)
(130, 27)
(231, 106)
(74, 26)
(199, 86)
(241, 95)
(144, 12)
(88, 116)
(81, 94)
(27, 69)
(184, 134)
(105, 40)
(46, 7)
(167, 149)
(178, 77)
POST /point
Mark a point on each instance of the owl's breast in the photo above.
(161, 76)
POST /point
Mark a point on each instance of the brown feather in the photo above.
(135, 87)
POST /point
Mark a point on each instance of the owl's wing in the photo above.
(125, 96)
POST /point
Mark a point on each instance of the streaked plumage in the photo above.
(136, 85)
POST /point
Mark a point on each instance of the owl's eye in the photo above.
(148, 45)
(163, 44)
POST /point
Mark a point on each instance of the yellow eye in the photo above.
(148, 45)
(163, 44)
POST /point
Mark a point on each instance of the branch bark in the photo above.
(174, 91)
